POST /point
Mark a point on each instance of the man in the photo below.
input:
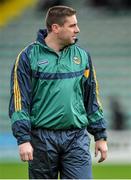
(54, 102)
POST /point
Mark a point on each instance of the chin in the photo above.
(71, 40)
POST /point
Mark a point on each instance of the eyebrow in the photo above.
(74, 24)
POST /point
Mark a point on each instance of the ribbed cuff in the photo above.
(100, 135)
(23, 139)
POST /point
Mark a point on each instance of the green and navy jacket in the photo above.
(54, 91)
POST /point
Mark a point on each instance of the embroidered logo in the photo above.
(43, 62)
(76, 60)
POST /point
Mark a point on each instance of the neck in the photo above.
(53, 42)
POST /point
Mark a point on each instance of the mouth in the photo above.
(74, 37)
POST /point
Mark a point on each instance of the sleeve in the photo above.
(20, 98)
(97, 123)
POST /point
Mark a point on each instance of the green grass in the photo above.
(13, 170)
(112, 171)
(100, 171)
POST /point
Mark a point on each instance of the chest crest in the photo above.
(76, 60)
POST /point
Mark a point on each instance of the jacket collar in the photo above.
(41, 35)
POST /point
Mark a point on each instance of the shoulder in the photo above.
(82, 50)
(24, 54)
(28, 49)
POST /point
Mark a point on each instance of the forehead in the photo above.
(71, 20)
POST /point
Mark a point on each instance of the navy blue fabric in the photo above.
(24, 81)
(11, 103)
(21, 130)
(42, 33)
(53, 76)
(90, 100)
(24, 78)
(98, 129)
(22, 127)
(66, 152)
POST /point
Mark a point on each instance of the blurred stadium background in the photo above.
(106, 33)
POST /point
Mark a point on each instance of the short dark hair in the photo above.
(57, 15)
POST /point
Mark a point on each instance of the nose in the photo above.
(77, 29)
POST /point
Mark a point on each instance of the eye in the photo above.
(73, 25)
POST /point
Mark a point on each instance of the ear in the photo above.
(55, 28)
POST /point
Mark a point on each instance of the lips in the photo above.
(74, 37)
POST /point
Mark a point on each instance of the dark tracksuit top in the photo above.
(54, 91)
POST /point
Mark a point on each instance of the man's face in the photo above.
(68, 32)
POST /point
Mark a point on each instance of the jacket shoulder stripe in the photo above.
(17, 95)
(97, 88)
